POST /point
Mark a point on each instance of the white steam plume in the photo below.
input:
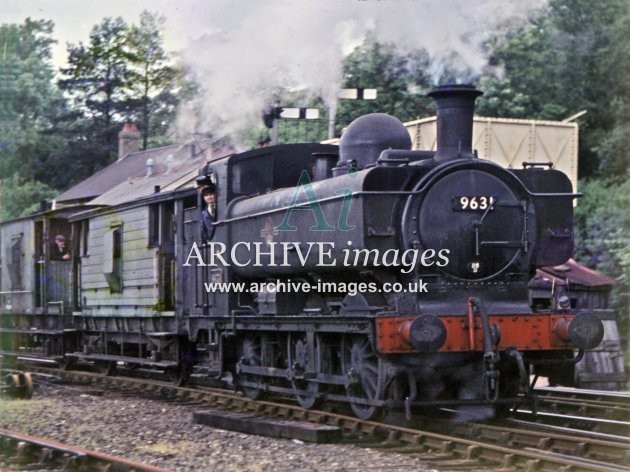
(244, 52)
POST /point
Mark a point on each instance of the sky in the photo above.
(243, 51)
(74, 19)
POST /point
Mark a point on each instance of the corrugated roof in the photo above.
(574, 272)
(132, 166)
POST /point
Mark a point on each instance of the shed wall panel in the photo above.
(138, 268)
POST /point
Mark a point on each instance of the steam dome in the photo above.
(369, 135)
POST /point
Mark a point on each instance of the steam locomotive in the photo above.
(368, 274)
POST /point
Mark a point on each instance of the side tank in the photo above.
(297, 229)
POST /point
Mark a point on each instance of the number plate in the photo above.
(473, 203)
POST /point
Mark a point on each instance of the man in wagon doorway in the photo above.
(58, 249)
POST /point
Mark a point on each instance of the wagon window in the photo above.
(14, 258)
(85, 232)
(112, 259)
(154, 225)
(166, 220)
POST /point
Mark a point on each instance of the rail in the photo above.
(485, 445)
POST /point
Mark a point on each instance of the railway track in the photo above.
(591, 410)
(586, 403)
(20, 451)
(444, 445)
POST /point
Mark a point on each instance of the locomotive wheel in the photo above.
(21, 385)
(250, 351)
(366, 376)
(27, 385)
(305, 391)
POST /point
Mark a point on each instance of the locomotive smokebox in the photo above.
(455, 105)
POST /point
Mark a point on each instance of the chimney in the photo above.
(150, 164)
(455, 108)
(170, 161)
(128, 140)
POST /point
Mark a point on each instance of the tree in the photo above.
(95, 82)
(19, 197)
(155, 87)
(122, 74)
(402, 81)
(613, 148)
(558, 64)
(28, 106)
(26, 92)
(602, 230)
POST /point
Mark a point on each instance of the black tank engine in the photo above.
(434, 250)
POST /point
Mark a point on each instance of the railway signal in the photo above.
(348, 94)
(271, 118)
(358, 94)
(300, 113)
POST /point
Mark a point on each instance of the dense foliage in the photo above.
(28, 100)
(602, 231)
(122, 75)
(401, 79)
(55, 133)
(573, 56)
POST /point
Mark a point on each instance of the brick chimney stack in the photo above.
(129, 140)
